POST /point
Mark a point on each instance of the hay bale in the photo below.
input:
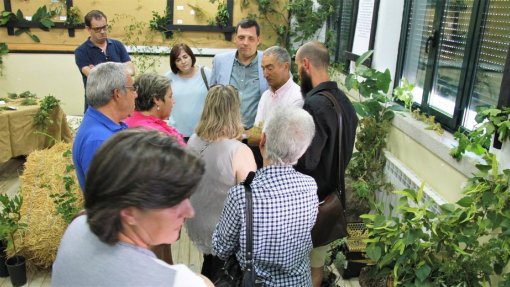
(43, 176)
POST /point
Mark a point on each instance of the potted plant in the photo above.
(464, 244)
(9, 225)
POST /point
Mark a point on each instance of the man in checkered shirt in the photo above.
(284, 206)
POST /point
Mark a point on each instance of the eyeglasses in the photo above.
(99, 29)
(132, 88)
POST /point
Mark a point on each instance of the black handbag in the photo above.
(330, 224)
(231, 274)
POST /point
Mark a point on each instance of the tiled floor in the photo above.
(183, 251)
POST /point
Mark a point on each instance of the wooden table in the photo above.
(18, 136)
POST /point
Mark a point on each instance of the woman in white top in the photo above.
(189, 87)
(227, 163)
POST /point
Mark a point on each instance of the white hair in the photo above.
(289, 131)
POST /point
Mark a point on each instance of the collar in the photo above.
(328, 85)
(282, 89)
(139, 115)
(104, 120)
(253, 62)
(90, 44)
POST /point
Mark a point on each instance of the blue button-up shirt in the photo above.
(284, 210)
(246, 80)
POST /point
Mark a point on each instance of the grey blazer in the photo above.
(222, 69)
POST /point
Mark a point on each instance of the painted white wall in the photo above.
(56, 74)
(389, 24)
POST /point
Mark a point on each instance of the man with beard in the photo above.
(98, 48)
(321, 159)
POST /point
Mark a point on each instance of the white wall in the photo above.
(389, 24)
(55, 74)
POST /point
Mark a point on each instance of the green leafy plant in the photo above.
(145, 56)
(73, 17)
(10, 219)
(222, 15)
(489, 121)
(376, 113)
(42, 119)
(429, 120)
(159, 22)
(4, 50)
(404, 93)
(65, 203)
(463, 245)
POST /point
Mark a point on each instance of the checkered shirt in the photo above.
(284, 212)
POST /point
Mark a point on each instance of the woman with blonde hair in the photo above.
(227, 163)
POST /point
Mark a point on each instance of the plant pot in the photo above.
(17, 270)
(3, 257)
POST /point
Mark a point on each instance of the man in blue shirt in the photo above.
(98, 48)
(111, 96)
(242, 69)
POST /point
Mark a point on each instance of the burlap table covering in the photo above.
(18, 136)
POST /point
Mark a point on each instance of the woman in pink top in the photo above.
(153, 105)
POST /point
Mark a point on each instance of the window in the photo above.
(341, 23)
(455, 52)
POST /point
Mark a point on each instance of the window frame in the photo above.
(470, 59)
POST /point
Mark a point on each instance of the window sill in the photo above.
(438, 145)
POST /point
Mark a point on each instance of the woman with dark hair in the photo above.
(190, 85)
(153, 105)
(227, 162)
(136, 196)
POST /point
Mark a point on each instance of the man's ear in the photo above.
(262, 142)
(116, 94)
(306, 64)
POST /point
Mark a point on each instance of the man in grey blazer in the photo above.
(242, 69)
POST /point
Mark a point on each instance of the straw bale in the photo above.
(43, 174)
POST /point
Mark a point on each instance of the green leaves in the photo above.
(490, 121)
(10, 218)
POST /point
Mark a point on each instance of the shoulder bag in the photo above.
(330, 224)
(231, 274)
(204, 78)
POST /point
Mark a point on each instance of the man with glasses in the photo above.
(111, 95)
(98, 48)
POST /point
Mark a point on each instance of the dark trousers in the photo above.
(212, 264)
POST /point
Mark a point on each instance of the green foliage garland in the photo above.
(42, 118)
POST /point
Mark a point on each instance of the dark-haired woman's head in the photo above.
(138, 186)
(182, 59)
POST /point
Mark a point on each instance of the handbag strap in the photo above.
(249, 220)
(338, 110)
(204, 77)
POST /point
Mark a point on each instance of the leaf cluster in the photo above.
(367, 163)
(73, 17)
(10, 218)
(222, 15)
(463, 245)
(4, 50)
(65, 202)
(42, 118)
(429, 120)
(489, 120)
(43, 16)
